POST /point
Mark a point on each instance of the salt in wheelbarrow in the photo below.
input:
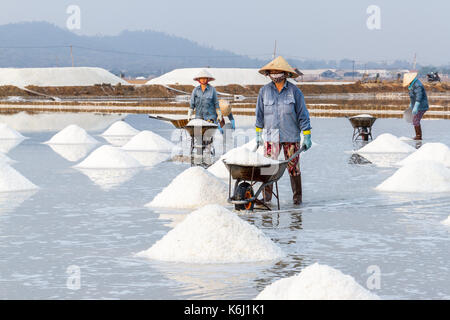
(247, 176)
(202, 138)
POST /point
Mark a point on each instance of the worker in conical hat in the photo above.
(204, 99)
(418, 101)
(281, 112)
(225, 109)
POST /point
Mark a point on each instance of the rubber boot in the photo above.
(296, 185)
(418, 130)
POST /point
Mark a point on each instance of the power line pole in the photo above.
(71, 55)
(274, 50)
(414, 62)
(353, 72)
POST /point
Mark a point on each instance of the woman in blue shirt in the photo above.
(418, 100)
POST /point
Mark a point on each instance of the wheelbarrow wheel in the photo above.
(244, 191)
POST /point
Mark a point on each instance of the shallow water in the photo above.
(97, 221)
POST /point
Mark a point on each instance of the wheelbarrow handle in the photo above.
(303, 148)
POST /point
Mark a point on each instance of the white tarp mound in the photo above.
(317, 282)
(193, 188)
(57, 77)
(109, 157)
(72, 134)
(11, 180)
(438, 152)
(149, 141)
(418, 176)
(213, 234)
(120, 128)
(387, 143)
(6, 133)
(223, 77)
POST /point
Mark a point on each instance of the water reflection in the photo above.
(7, 145)
(149, 158)
(10, 201)
(383, 160)
(117, 141)
(108, 179)
(174, 218)
(72, 152)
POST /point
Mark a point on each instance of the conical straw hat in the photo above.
(204, 74)
(279, 64)
(408, 78)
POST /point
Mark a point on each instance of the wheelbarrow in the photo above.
(362, 127)
(178, 123)
(202, 138)
(247, 176)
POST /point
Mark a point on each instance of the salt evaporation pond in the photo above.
(100, 222)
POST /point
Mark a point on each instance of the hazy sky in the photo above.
(323, 29)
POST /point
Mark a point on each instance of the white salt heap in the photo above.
(418, 176)
(193, 188)
(246, 157)
(72, 134)
(213, 234)
(108, 157)
(387, 143)
(11, 180)
(46, 77)
(317, 282)
(120, 128)
(438, 152)
(6, 133)
(200, 123)
(149, 141)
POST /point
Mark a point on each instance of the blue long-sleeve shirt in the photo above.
(418, 94)
(283, 114)
(205, 103)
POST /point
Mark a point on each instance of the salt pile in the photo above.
(120, 128)
(387, 143)
(223, 77)
(193, 188)
(11, 180)
(438, 152)
(246, 157)
(7, 133)
(317, 282)
(47, 77)
(418, 176)
(200, 123)
(213, 234)
(72, 152)
(108, 157)
(72, 134)
(108, 179)
(149, 141)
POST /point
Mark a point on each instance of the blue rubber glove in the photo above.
(233, 124)
(307, 141)
(259, 139)
(220, 128)
(416, 107)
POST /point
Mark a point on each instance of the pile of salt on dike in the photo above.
(72, 134)
(193, 188)
(149, 141)
(108, 157)
(12, 181)
(213, 234)
(120, 129)
(418, 176)
(6, 133)
(437, 152)
(317, 282)
(386, 143)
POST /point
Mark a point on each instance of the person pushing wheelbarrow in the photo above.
(281, 111)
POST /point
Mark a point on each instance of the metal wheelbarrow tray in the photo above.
(247, 176)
